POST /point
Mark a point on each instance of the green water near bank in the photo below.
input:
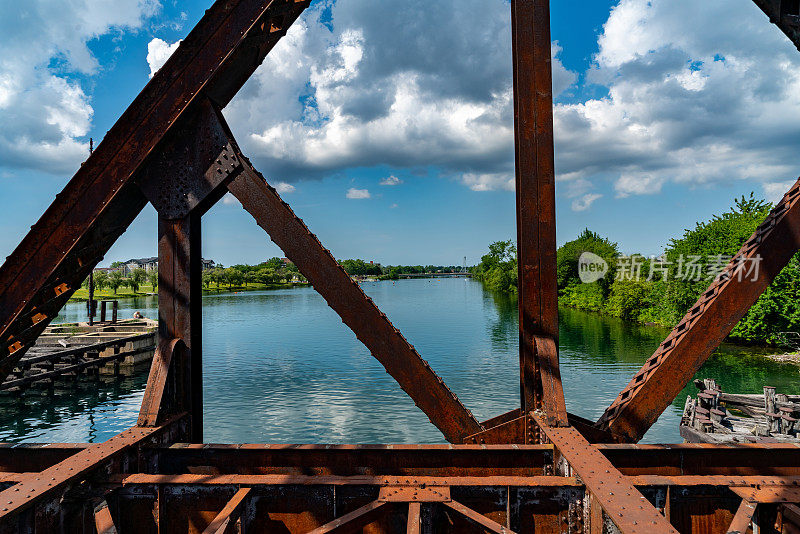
(280, 367)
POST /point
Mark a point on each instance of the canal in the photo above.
(280, 367)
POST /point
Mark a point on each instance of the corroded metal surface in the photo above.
(173, 148)
(540, 378)
(623, 503)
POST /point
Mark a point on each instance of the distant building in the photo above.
(148, 264)
(286, 261)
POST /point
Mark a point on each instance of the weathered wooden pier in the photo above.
(67, 351)
(719, 417)
(535, 469)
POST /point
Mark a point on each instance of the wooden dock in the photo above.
(719, 417)
(66, 351)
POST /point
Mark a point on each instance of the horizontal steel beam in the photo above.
(54, 479)
(338, 480)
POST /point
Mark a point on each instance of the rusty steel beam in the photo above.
(414, 518)
(513, 431)
(729, 465)
(354, 520)
(103, 521)
(743, 518)
(357, 310)
(165, 384)
(540, 377)
(707, 323)
(340, 480)
(225, 522)
(180, 306)
(214, 60)
(57, 478)
(512, 427)
(622, 502)
(476, 517)
(183, 180)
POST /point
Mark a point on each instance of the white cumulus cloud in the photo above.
(584, 202)
(44, 108)
(489, 181)
(391, 180)
(284, 189)
(357, 194)
(158, 52)
(698, 93)
(371, 92)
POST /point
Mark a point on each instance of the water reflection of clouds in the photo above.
(280, 366)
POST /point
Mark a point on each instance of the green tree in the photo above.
(265, 276)
(208, 277)
(115, 280)
(498, 269)
(137, 278)
(233, 277)
(274, 263)
(720, 237)
(569, 253)
(100, 279)
(152, 278)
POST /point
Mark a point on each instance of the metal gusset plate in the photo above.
(707, 323)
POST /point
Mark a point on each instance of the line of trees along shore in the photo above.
(114, 280)
(274, 271)
(660, 295)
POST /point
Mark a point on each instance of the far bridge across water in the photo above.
(436, 275)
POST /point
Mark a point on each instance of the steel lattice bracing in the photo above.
(173, 149)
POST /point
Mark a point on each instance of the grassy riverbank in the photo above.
(82, 295)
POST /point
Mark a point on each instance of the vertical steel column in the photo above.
(180, 303)
(540, 379)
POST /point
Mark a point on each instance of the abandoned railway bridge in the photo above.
(534, 469)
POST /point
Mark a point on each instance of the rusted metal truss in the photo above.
(707, 323)
(536, 468)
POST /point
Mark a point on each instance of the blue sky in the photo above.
(391, 135)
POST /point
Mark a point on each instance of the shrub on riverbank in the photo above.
(498, 269)
(661, 291)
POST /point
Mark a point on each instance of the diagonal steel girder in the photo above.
(357, 310)
(101, 200)
(707, 323)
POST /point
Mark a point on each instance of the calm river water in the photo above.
(280, 367)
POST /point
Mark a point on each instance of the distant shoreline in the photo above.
(82, 295)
